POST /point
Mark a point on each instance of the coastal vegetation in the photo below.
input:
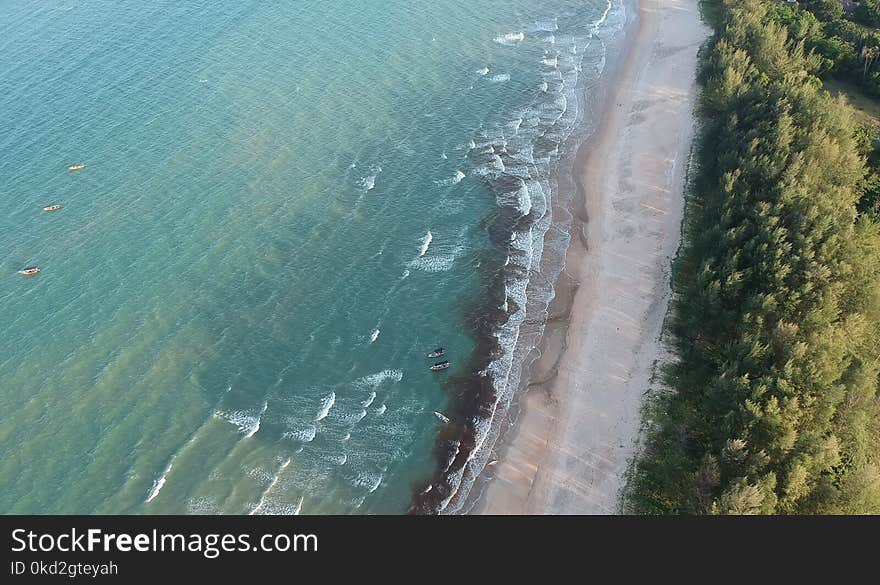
(771, 401)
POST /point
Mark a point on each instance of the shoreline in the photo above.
(509, 318)
(573, 427)
(539, 363)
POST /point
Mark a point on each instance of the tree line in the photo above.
(847, 48)
(848, 44)
(771, 403)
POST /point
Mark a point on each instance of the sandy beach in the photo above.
(578, 423)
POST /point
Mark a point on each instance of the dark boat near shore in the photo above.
(436, 353)
(440, 366)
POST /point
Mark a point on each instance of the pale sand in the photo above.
(578, 429)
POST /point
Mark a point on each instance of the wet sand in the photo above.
(576, 426)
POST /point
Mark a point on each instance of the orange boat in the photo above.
(52, 208)
(76, 168)
(29, 271)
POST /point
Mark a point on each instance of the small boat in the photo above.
(441, 417)
(52, 208)
(440, 366)
(76, 168)
(29, 271)
(436, 353)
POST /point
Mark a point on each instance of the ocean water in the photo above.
(285, 205)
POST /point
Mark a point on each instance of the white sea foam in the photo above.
(256, 427)
(426, 241)
(604, 16)
(349, 418)
(202, 505)
(521, 200)
(500, 78)
(531, 152)
(259, 474)
(510, 38)
(334, 458)
(326, 404)
(436, 263)
(374, 380)
(483, 71)
(304, 435)
(157, 485)
(453, 180)
(246, 421)
(368, 182)
(370, 481)
(482, 171)
(381, 409)
(269, 488)
(549, 24)
(275, 507)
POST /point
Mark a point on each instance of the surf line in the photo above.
(426, 241)
(269, 487)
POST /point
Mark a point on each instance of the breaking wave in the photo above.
(157, 485)
(305, 434)
(510, 38)
(326, 404)
(426, 241)
(247, 421)
(453, 180)
(518, 159)
(368, 182)
(379, 378)
(434, 263)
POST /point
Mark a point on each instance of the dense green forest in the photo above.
(846, 47)
(772, 401)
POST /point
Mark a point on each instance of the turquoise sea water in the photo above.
(285, 205)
